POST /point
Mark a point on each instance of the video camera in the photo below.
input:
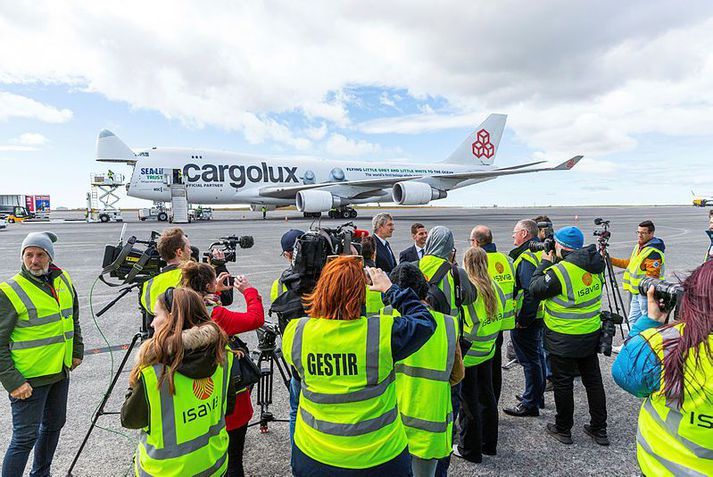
(609, 322)
(228, 246)
(602, 231)
(267, 336)
(667, 294)
(130, 262)
(547, 245)
(313, 248)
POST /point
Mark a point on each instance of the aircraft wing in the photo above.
(364, 185)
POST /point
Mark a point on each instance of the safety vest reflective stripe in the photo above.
(670, 438)
(433, 374)
(633, 273)
(212, 470)
(41, 342)
(502, 270)
(482, 331)
(356, 429)
(429, 265)
(428, 426)
(534, 259)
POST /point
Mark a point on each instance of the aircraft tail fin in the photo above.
(112, 149)
(481, 145)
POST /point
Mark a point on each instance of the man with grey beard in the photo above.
(40, 343)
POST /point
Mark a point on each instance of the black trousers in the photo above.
(478, 415)
(563, 373)
(236, 445)
(498, 367)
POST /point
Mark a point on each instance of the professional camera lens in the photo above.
(666, 293)
(546, 246)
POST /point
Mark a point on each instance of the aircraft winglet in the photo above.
(567, 165)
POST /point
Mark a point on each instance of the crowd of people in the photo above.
(395, 363)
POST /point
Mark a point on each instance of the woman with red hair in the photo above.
(671, 365)
(347, 421)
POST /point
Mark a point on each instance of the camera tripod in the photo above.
(138, 337)
(267, 356)
(610, 285)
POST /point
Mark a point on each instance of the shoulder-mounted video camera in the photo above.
(132, 262)
(314, 246)
(602, 231)
(228, 245)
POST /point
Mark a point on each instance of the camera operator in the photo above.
(348, 421)
(287, 242)
(646, 260)
(500, 269)
(40, 343)
(200, 277)
(175, 249)
(671, 366)
(528, 333)
(568, 281)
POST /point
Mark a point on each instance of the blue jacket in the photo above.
(637, 369)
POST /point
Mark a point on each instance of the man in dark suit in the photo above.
(415, 252)
(383, 225)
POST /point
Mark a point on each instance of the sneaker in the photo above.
(549, 387)
(520, 410)
(599, 436)
(565, 437)
(518, 397)
(456, 452)
(617, 349)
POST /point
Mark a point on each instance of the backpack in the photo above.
(287, 307)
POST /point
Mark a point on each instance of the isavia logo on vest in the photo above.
(499, 267)
(203, 388)
(587, 279)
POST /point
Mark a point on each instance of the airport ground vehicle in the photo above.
(157, 212)
(3, 222)
(20, 207)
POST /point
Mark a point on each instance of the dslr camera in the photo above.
(609, 322)
(667, 294)
(132, 262)
(228, 245)
(547, 245)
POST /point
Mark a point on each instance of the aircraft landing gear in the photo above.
(312, 215)
(343, 213)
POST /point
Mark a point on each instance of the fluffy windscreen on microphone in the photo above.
(360, 233)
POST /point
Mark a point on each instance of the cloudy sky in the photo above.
(629, 85)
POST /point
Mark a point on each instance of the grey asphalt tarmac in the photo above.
(524, 447)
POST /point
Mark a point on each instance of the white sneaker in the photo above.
(617, 349)
(456, 452)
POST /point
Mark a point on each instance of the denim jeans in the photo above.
(295, 389)
(442, 467)
(528, 342)
(36, 422)
(639, 307)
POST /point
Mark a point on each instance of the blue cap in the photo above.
(289, 238)
(570, 237)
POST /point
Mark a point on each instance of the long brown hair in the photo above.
(340, 291)
(475, 262)
(167, 347)
(197, 276)
(696, 311)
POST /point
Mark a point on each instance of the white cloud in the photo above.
(16, 106)
(30, 139)
(16, 148)
(340, 145)
(574, 77)
(317, 133)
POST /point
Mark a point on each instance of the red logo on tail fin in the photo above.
(482, 147)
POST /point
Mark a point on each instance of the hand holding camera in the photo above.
(654, 310)
(242, 283)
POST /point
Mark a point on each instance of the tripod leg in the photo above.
(100, 410)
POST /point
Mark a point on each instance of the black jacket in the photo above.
(196, 364)
(385, 259)
(523, 275)
(545, 284)
(409, 255)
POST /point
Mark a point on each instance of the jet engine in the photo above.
(415, 193)
(312, 201)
